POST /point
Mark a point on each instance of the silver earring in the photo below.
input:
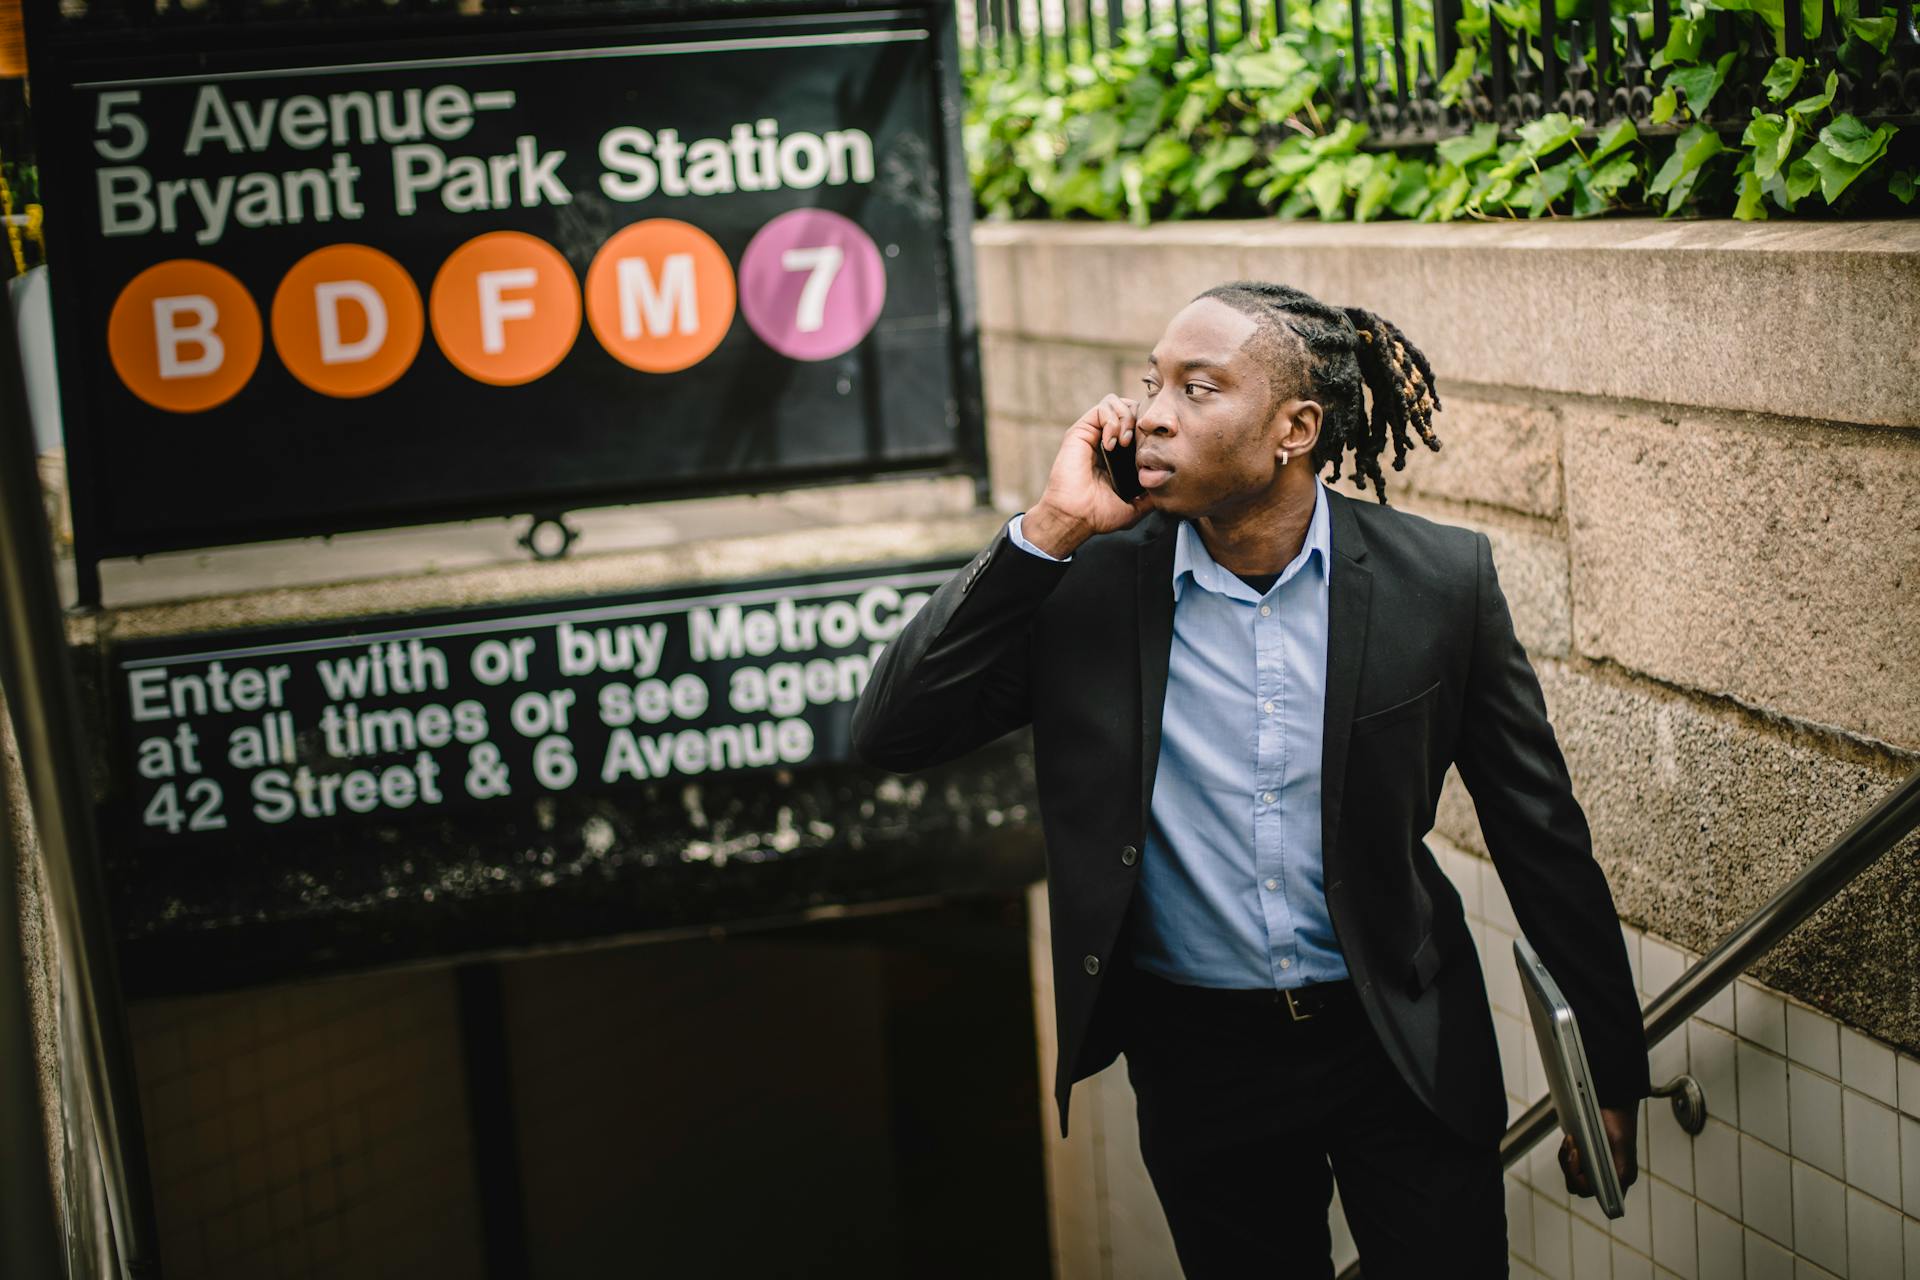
(1283, 457)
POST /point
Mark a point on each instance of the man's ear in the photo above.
(1297, 424)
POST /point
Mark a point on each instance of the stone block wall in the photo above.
(1694, 449)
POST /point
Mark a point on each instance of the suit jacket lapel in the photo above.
(1154, 609)
(1349, 591)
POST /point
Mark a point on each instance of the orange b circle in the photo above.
(505, 308)
(660, 295)
(184, 335)
(347, 320)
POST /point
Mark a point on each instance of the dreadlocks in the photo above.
(1340, 350)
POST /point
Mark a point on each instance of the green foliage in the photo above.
(1141, 133)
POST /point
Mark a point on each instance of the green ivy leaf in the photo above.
(1802, 178)
(1691, 150)
(1586, 201)
(1162, 157)
(1345, 138)
(1771, 138)
(1842, 155)
(1612, 138)
(1819, 101)
(1412, 189)
(1133, 187)
(1294, 206)
(1701, 83)
(1684, 41)
(1782, 77)
(1448, 203)
(1469, 147)
(1455, 81)
(1274, 67)
(1374, 192)
(1203, 101)
(1551, 185)
(1750, 207)
(1328, 190)
(1495, 191)
(1081, 190)
(1772, 12)
(1900, 185)
(1549, 133)
(1278, 106)
(1681, 190)
(1610, 177)
(1776, 187)
(1848, 139)
(1222, 156)
(1877, 31)
(1519, 17)
(1663, 105)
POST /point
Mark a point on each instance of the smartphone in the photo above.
(1122, 471)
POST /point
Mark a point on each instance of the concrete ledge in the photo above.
(1772, 560)
(1820, 318)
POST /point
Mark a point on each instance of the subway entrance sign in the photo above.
(358, 273)
(257, 736)
(290, 800)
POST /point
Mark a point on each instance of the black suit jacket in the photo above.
(1423, 671)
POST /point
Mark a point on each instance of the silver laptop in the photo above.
(1569, 1077)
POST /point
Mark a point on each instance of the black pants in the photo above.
(1247, 1117)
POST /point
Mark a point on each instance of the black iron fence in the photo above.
(1517, 75)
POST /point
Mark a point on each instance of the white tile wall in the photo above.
(1814, 1117)
(1813, 1039)
(1819, 1217)
(1909, 1086)
(1761, 1017)
(1763, 1091)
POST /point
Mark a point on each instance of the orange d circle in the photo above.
(505, 308)
(184, 335)
(347, 320)
(660, 295)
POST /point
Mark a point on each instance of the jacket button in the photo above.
(1129, 855)
(1092, 963)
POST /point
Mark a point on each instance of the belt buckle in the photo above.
(1292, 1008)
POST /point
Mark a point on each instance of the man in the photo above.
(1245, 690)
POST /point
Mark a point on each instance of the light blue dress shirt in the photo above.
(1232, 885)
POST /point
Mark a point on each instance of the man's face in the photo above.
(1208, 429)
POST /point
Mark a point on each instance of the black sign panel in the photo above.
(331, 286)
(292, 801)
(262, 738)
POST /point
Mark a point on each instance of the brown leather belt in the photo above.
(1302, 1004)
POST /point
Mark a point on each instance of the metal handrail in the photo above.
(1857, 849)
(35, 671)
(29, 1229)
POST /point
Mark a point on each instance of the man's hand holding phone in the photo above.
(1080, 499)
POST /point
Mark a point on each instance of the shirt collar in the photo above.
(1191, 559)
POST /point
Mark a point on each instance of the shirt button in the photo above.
(1129, 855)
(1285, 963)
(1267, 707)
(1265, 609)
(1273, 884)
(1092, 964)
(1267, 798)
